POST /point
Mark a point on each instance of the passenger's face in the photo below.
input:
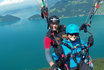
(54, 27)
(73, 37)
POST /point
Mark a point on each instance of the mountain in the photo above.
(23, 12)
(12, 11)
(100, 11)
(8, 18)
(72, 8)
(52, 2)
(28, 6)
(35, 17)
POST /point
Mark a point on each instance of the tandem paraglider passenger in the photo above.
(76, 52)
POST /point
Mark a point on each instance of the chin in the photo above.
(73, 39)
(54, 30)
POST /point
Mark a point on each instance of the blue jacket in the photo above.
(66, 50)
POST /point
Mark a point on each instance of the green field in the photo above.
(98, 64)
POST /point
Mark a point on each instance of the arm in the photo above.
(49, 57)
(90, 41)
(47, 44)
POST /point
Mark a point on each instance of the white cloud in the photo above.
(8, 2)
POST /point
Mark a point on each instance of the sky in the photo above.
(11, 2)
(12, 5)
(6, 5)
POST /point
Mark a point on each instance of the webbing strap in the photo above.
(85, 49)
(67, 46)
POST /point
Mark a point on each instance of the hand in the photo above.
(90, 40)
(54, 67)
(83, 27)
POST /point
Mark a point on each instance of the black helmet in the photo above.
(53, 20)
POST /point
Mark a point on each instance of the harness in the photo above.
(83, 53)
(56, 36)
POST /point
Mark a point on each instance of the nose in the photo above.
(74, 36)
(54, 24)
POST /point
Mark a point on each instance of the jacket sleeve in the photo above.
(48, 55)
(47, 44)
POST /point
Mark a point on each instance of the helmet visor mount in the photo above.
(54, 20)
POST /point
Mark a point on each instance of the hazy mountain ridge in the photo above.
(8, 18)
(70, 8)
(35, 17)
(100, 11)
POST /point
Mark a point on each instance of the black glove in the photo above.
(83, 27)
(63, 60)
(54, 67)
(90, 40)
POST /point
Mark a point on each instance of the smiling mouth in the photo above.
(73, 38)
(54, 28)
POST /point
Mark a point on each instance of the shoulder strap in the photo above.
(62, 28)
(67, 46)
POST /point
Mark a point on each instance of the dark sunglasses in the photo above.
(76, 34)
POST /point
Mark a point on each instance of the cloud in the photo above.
(9, 2)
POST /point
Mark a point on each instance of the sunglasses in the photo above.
(76, 34)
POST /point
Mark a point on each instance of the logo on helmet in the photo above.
(54, 19)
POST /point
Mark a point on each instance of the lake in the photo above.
(22, 42)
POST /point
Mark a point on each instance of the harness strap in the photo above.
(67, 46)
(85, 49)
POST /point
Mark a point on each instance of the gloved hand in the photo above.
(90, 40)
(83, 27)
(54, 67)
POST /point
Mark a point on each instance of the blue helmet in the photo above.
(72, 28)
